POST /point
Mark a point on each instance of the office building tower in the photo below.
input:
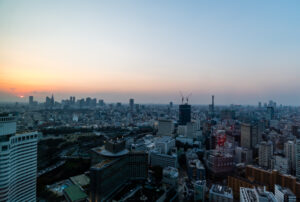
(297, 150)
(289, 153)
(184, 114)
(171, 105)
(111, 174)
(280, 164)
(220, 193)
(195, 169)
(30, 100)
(265, 152)
(243, 155)
(165, 127)
(213, 102)
(295, 130)
(52, 100)
(131, 104)
(250, 135)
(284, 194)
(101, 102)
(18, 162)
(270, 113)
(200, 190)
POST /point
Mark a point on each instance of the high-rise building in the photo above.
(243, 155)
(30, 100)
(131, 104)
(289, 152)
(250, 135)
(165, 127)
(265, 152)
(297, 150)
(212, 106)
(270, 113)
(295, 130)
(281, 164)
(18, 162)
(246, 135)
(184, 114)
(111, 174)
(171, 104)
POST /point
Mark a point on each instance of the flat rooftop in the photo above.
(102, 163)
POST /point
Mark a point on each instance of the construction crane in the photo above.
(185, 98)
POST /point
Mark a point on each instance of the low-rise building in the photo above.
(220, 193)
(284, 194)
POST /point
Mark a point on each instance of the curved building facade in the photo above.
(18, 162)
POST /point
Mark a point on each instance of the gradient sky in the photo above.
(241, 51)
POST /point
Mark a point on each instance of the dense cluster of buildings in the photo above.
(200, 153)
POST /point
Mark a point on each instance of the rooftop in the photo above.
(219, 189)
(74, 193)
(102, 151)
(80, 180)
(102, 163)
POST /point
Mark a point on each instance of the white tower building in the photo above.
(18, 162)
(297, 149)
(289, 152)
(265, 152)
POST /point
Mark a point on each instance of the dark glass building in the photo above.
(184, 114)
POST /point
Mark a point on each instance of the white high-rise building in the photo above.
(297, 149)
(265, 152)
(289, 152)
(18, 162)
(280, 164)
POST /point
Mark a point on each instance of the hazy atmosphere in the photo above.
(243, 52)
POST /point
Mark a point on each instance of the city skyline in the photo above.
(242, 52)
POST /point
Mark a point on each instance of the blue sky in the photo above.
(241, 51)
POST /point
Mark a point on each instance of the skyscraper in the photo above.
(297, 149)
(265, 152)
(289, 152)
(250, 135)
(270, 113)
(18, 162)
(31, 100)
(212, 106)
(131, 104)
(184, 114)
